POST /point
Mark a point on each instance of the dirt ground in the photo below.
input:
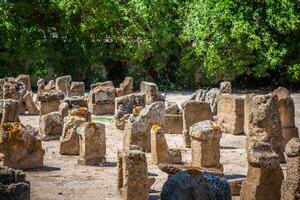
(63, 179)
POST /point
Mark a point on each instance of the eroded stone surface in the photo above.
(77, 89)
(51, 126)
(63, 84)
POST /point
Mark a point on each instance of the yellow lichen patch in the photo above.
(155, 127)
(216, 127)
(136, 111)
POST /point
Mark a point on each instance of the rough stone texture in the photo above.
(173, 123)
(81, 112)
(199, 95)
(247, 108)
(231, 114)
(124, 106)
(77, 89)
(151, 92)
(102, 99)
(205, 145)
(92, 143)
(225, 87)
(30, 105)
(193, 185)
(51, 126)
(20, 147)
(212, 97)
(138, 127)
(49, 101)
(63, 84)
(290, 189)
(13, 185)
(235, 186)
(102, 84)
(264, 123)
(133, 180)
(76, 102)
(41, 85)
(26, 80)
(63, 109)
(160, 152)
(286, 110)
(13, 89)
(126, 87)
(172, 108)
(264, 175)
(50, 85)
(10, 111)
(193, 112)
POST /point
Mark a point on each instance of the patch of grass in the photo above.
(102, 118)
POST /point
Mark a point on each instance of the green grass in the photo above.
(102, 118)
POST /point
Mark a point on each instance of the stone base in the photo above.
(49, 106)
(102, 109)
(70, 145)
(173, 124)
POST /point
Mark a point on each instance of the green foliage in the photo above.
(176, 43)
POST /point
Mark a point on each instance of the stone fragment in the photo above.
(77, 89)
(50, 85)
(81, 112)
(63, 109)
(49, 101)
(124, 106)
(51, 126)
(212, 97)
(160, 152)
(26, 80)
(92, 143)
(235, 186)
(10, 111)
(30, 105)
(102, 84)
(225, 87)
(20, 146)
(76, 102)
(172, 108)
(286, 110)
(205, 136)
(63, 84)
(247, 109)
(13, 89)
(133, 180)
(126, 87)
(290, 189)
(193, 112)
(264, 175)
(151, 91)
(41, 85)
(13, 185)
(138, 127)
(231, 114)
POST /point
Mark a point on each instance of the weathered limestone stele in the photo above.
(193, 112)
(26, 80)
(51, 126)
(264, 123)
(290, 189)
(77, 89)
(126, 87)
(10, 111)
(49, 101)
(264, 175)
(13, 185)
(225, 87)
(133, 180)
(69, 141)
(138, 127)
(212, 97)
(102, 99)
(124, 106)
(41, 85)
(92, 143)
(205, 145)
(50, 85)
(63, 109)
(160, 152)
(286, 110)
(231, 114)
(20, 146)
(13, 89)
(173, 119)
(151, 91)
(30, 105)
(63, 84)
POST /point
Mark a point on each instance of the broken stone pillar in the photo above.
(231, 114)
(173, 119)
(205, 145)
(77, 89)
(102, 99)
(10, 111)
(20, 146)
(247, 108)
(264, 123)
(69, 141)
(92, 143)
(64, 109)
(50, 85)
(212, 97)
(63, 84)
(13, 89)
(225, 87)
(138, 127)
(193, 112)
(264, 175)
(126, 87)
(290, 189)
(286, 110)
(41, 85)
(49, 101)
(151, 92)
(30, 105)
(133, 180)
(13, 185)
(124, 106)
(160, 152)
(51, 126)
(26, 80)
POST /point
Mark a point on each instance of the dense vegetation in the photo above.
(177, 43)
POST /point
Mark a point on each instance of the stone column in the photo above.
(290, 189)
(264, 175)
(193, 112)
(10, 111)
(206, 137)
(92, 143)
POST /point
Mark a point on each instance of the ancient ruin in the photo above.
(231, 114)
(151, 91)
(51, 126)
(193, 112)
(173, 119)
(92, 143)
(160, 152)
(290, 189)
(264, 175)
(125, 87)
(205, 136)
(49, 101)
(77, 89)
(63, 84)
